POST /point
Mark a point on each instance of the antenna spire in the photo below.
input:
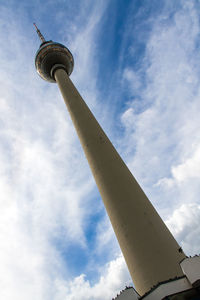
(39, 34)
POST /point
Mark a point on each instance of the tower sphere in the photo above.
(51, 54)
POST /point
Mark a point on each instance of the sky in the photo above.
(137, 65)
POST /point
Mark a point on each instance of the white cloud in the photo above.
(162, 135)
(184, 224)
(46, 185)
(36, 203)
(133, 79)
(106, 241)
(190, 168)
(41, 161)
(110, 283)
(184, 172)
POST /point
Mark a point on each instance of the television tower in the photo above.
(150, 251)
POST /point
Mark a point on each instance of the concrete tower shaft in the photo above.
(151, 252)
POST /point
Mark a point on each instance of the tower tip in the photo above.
(39, 34)
(35, 26)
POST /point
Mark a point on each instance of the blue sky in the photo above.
(137, 65)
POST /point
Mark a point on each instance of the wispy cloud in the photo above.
(163, 125)
(48, 195)
(114, 273)
(42, 186)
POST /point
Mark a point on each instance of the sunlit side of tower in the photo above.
(151, 252)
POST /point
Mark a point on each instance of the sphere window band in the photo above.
(50, 54)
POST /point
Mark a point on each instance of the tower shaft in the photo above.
(151, 252)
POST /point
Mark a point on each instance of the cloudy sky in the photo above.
(137, 65)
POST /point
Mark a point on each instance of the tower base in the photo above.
(186, 287)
